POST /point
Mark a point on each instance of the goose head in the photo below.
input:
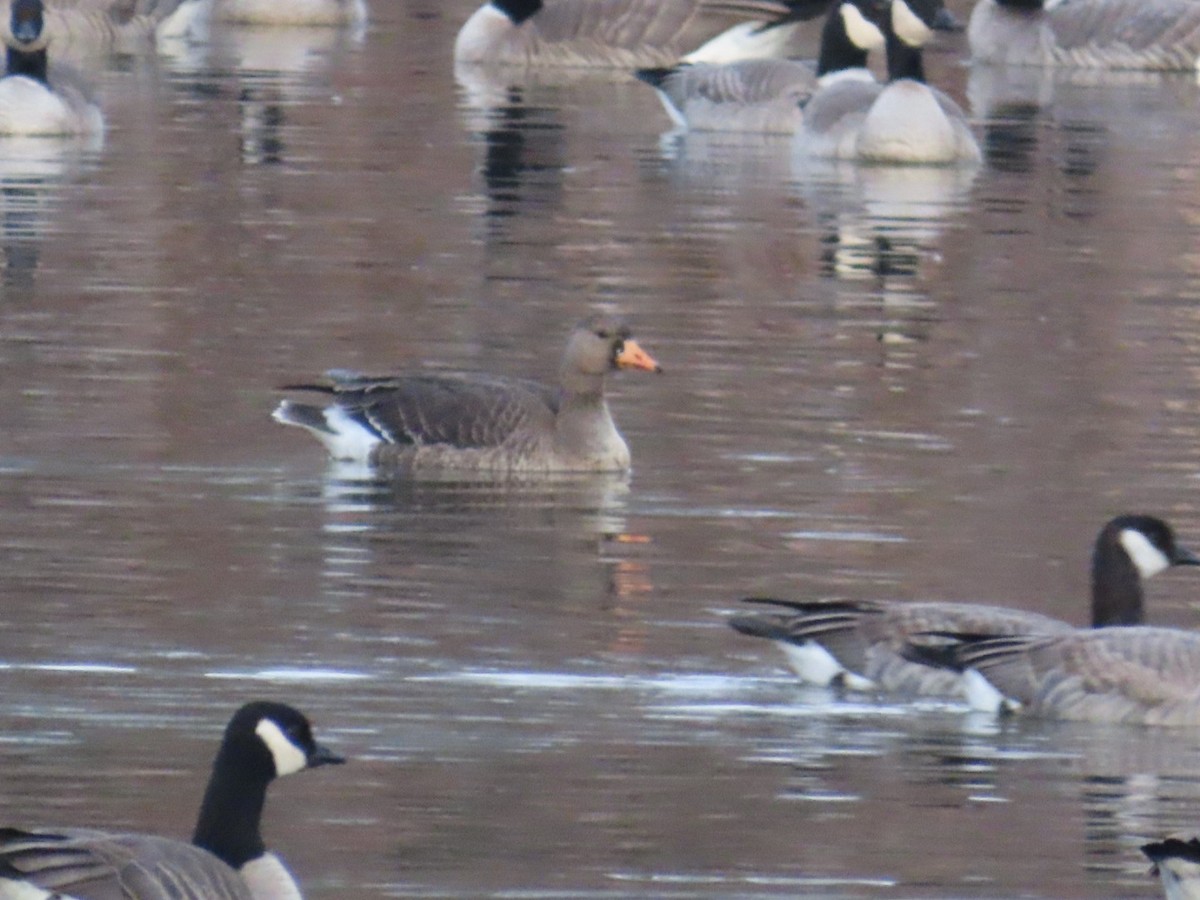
(1129, 549)
(600, 344)
(272, 739)
(26, 26)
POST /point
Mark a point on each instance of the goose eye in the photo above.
(603, 334)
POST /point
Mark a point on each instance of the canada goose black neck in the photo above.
(838, 50)
(27, 45)
(30, 63)
(231, 813)
(1021, 5)
(904, 61)
(518, 10)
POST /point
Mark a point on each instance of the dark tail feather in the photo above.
(758, 626)
(318, 388)
(1173, 848)
(302, 414)
(655, 77)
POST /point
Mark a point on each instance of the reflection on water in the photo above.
(881, 384)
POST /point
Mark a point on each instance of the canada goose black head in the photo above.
(263, 740)
(518, 10)
(1129, 549)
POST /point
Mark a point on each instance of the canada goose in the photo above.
(1177, 862)
(226, 859)
(766, 94)
(1106, 34)
(1134, 675)
(308, 13)
(31, 103)
(629, 33)
(84, 28)
(481, 422)
(904, 121)
(865, 644)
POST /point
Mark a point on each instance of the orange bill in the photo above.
(634, 357)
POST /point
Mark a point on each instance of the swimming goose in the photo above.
(480, 422)
(904, 121)
(31, 102)
(1107, 34)
(84, 28)
(766, 95)
(1177, 862)
(307, 13)
(1133, 675)
(629, 33)
(226, 860)
(864, 644)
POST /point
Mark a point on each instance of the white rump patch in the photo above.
(1148, 559)
(862, 33)
(982, 696)
(746, 40)
(1180, 879)
(345, 439)
(288, 757)
(908, 25)
(267, 876)
(812, 662)
(23, 890)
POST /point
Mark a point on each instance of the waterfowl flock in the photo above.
(717, 66)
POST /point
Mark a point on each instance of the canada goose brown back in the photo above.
(865, 643)
(1104, 34)
(628, 34)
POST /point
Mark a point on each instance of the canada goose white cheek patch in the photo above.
(288, 757)
(908, 25)
(1147, 558)
(862, 34)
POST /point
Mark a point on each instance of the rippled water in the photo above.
(879, 384)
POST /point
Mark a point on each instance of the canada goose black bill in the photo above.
(865, 644)
(227, 859)
(481, 423)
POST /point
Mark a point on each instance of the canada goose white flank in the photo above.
(865, 644)
(226, 859)
(34, 100)
(482, 423)
(629, 33)
(767, 95)
(1103, 34)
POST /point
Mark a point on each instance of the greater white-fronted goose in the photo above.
(304, 13)
(34, 101)
(902, 122)
(226, 860)
(1103, 34)
(629, 34)
(865, 644)
(1177, 863)
(766, 95)
(482, 423)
